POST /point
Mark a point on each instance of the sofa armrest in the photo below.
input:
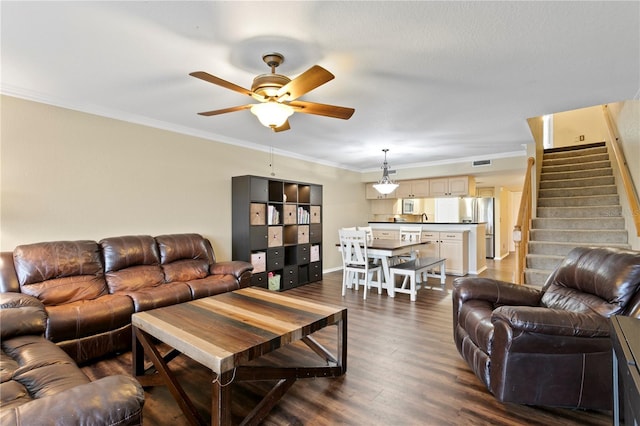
(21, 314)
(114, 400)
(551, 322)
(494, 291)
(8, 275)
(233, 267)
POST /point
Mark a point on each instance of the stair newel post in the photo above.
(523, 223)
(517, 239)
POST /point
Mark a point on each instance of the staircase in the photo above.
(578, 205)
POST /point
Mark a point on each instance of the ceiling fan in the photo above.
(278, 94)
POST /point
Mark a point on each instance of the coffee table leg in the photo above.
(144, 341)
(221, 399)
(342, 342)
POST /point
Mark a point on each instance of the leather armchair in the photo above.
(548, 346)
(41, 385)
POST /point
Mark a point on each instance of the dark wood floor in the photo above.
(403, 369)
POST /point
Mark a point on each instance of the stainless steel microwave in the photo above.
(409, 206)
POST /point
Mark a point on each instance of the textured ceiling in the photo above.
(431, 81)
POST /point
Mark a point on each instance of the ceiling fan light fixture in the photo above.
(385, 185)
(272, 114)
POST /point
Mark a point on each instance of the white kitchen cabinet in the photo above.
(386, 234)
(459, 186)
(418, 188)
(453, 246)
(372, 194)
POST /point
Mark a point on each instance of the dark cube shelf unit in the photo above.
(277, 226)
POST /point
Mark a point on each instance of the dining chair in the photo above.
(355, 262)
(368, 231)
(410, 233)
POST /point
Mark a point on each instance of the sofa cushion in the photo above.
(127, 251)
(43, 386)
(134, 278)
(213, 284)
(43, 368)
(61, 271)
(86, 318)
(182, 246)
(21, 314)
(600, 280)
(131, 263)
(184, 257)
(158, 297)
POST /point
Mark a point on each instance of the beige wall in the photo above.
(70, 175)
(626, 118)
(569, 126)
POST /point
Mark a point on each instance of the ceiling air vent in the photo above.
(480, 163)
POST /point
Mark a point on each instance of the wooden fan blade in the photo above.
(282, 128)
(220, 82)
(225, 110)
(322, 109)
(310, 79)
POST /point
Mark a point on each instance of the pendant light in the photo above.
(385, 185)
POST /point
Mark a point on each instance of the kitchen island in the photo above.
(473, 261)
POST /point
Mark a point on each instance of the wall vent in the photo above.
(480, 163)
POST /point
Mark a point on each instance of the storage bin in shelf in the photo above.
(258, 213)
(315, 253)
(303, 234)
(315, 214)
(275, 236)
(274, 281)
(290, 213)
(259, 261)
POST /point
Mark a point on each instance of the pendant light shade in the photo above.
(385, 185)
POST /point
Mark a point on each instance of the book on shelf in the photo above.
(303, 216)
(273, 215)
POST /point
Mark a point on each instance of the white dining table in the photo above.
(385, 249)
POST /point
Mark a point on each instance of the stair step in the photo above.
(577, 205)
(580, 236)
(543, 261)
(551, 248)
(578, 183)
(536, 277)
(605, 211)
(573, 159)
(576, 166)
(576, 192)
(575, 174)
(576, 150)
(580, 201)
(584, 224)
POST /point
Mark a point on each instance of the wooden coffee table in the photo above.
(226, 331)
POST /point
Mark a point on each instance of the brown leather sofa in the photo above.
(548, 346)
(90, 289)
(40, 384)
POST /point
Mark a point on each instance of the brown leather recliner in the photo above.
(548, 346)
(41, 385)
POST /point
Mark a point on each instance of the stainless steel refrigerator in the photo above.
(485, 213)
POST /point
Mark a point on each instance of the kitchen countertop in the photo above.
(430, 223)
